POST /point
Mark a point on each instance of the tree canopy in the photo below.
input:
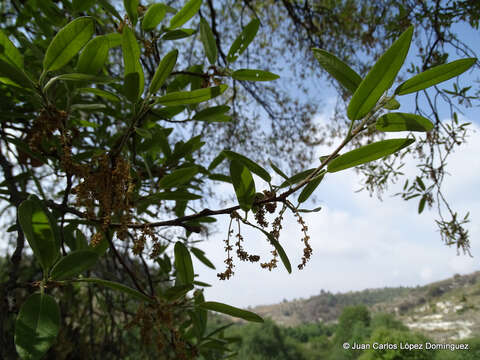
(120, 120)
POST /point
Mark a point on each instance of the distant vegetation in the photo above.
(356, 324)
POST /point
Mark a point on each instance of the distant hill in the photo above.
(443, 310)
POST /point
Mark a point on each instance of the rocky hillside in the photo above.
(444, 310)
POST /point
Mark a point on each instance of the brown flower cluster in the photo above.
(159, 325)
(307, 250)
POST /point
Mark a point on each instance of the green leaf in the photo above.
(230, 310)
(40, 230)
(380, 78)
(73, 264)
(183, 264)
(421, 204)
(114, 39)
(420, 183)
(143, 133)
(435, 76)
(134, 78)
(310, 188)
(283, 255)
(280, 251)
(178, 34)
(254, 75)
(78, 77)
(131, 7)
(185, 13)
(176, 292)
(13, 75)
(368, 153)
(278, 171)
(243, 40)
(297, 178)
(116, 286)
(200, 255)
(340, 71)
(37, 326)
(212, 114)
(243, 184)
(68, 42)
(164, 69)
(397, 121)
(208, 41)
(153, 16)
(94, 55)
(178, 177)
(8, 51)
(216, 161)
(310, 211)
(392, 104)
(171, 195)
(99, 92)
(191, 97)
(252, 166)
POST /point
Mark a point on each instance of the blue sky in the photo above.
(358, 241)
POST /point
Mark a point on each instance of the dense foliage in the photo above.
(103, 122)
(355, 326)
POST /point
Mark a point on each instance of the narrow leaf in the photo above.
(131, 7)
(73, 264)
(380, 78)
(397, 121)
(214, 113)
(340, 71)
(178, 177)
(278, 171)
(94, 55)
(297, 178)
(243, 40)
(254, 75)
(13, 75)
(8, 51)
(164, 69)
(68, 42)
(134, 78)
(185, 13)
(435, 76)
(78, 77)
(310, 188)
(243, 184)
(208, 41)
(153, 16)
(40, 232)
(176, 292)
(200, 255)
(368, 153)
(230, 310)
(191, 97)
(392, 104)
(116, 286)
(281, 252)
(183, 264)
(145, 133)
(216, 161)
(178, 34)
(37, 326)
(252, 166)
(102, 93)
(114, 39)
(421, 204)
